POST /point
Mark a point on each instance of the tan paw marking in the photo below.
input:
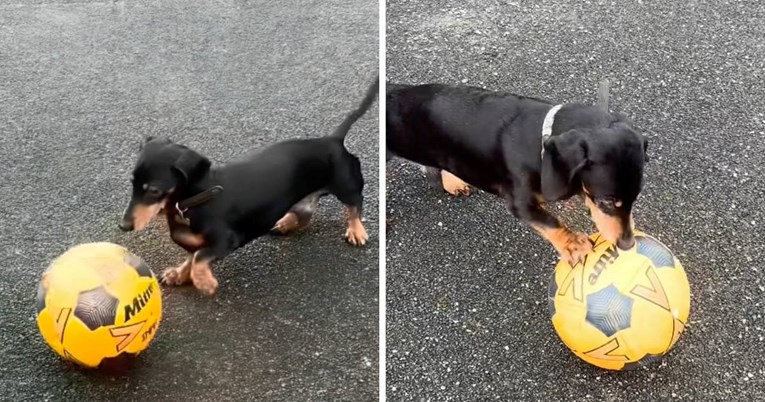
(572, 247)
(576, 249)
(355, 234)
(202, 277)
(177, 276)
(287, 223)
(454, 185)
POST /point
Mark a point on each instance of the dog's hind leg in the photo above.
(453, 184)
(347, 185)
(299, 215)
(355, 234)
(432, 174)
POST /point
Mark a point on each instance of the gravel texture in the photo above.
(467, 310)
(81, 83)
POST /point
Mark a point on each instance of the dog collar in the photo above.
(198, 199)
(547, 125)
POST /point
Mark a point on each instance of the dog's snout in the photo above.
(625, 243)
(126, 225)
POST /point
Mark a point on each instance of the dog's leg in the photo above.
(355, 234)
(347, 185)
(298, 216)
(432, 174)
(177, 276)
(572, 247)
(201, 272)
(287, 223)
(184, 237)
(453, 184)
(220, 242)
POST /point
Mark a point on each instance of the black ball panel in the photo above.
(96, 308)
(137, 263)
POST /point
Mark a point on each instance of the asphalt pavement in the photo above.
(467, 303)
(81, 83)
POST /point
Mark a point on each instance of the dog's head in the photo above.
(163, 168)
(606, 166)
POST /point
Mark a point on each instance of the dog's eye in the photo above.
(608, 204)
(153, 191)
(605, 204)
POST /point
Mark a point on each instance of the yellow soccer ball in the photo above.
(621, 309)
(98, 304)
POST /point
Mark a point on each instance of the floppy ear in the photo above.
(564, 157)
(191, 166)
(144, 142)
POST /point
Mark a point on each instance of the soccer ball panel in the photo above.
(611, 353)
(137, 318)
(609, 310)
(138, 264)
(646, 361)
(677, 289)
(46, 324)
(651, 331)
(85, 346)
(657, 253)
(96, 308)
(571, 325)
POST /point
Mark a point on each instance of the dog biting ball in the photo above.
(621, 309)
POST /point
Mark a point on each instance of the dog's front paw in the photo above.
(207, 286)
(356, 234)
(577, 248)
(175, 276)
(203, 279)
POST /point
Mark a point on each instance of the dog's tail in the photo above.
(603, 88)
(342, 130)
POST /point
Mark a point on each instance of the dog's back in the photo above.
(273, 179)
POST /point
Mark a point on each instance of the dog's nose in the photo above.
(126, 225)
(625, 243)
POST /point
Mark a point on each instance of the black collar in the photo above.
(199, 199)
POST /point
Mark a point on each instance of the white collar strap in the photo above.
(547, 125)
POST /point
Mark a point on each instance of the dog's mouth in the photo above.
(625, 243)
(137, 215)
(613, 228)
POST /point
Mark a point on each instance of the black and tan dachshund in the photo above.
(211, 211)
(527, 151)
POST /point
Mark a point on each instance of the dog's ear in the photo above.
(144, 142)
(565, 156)
(191, 166)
